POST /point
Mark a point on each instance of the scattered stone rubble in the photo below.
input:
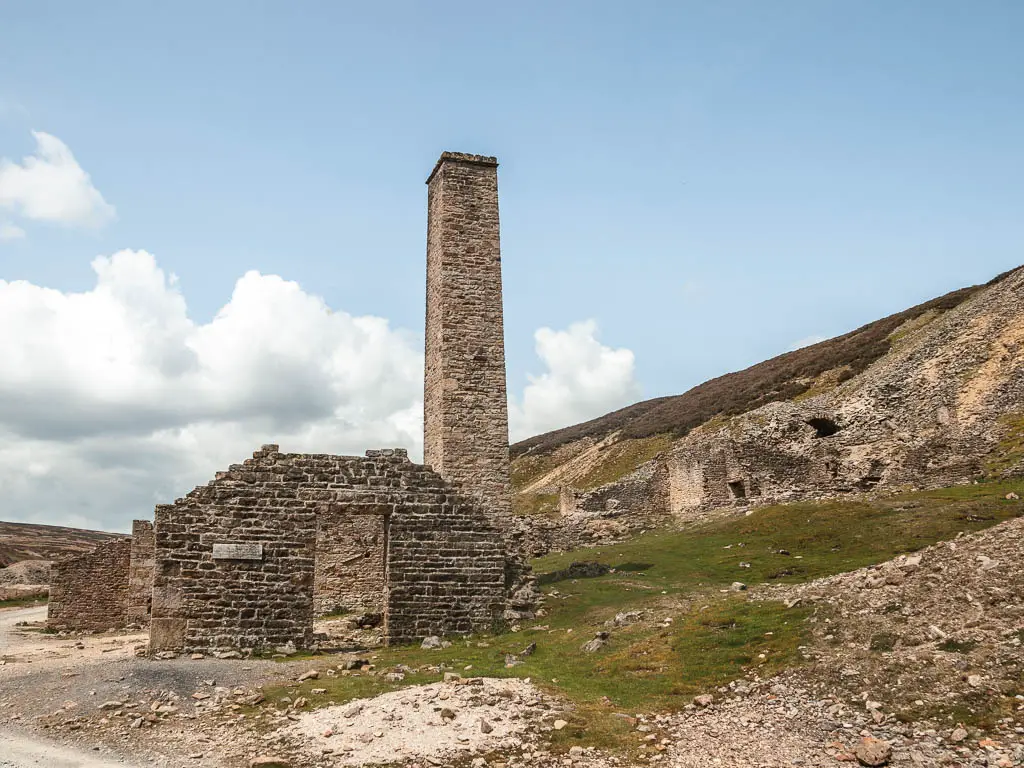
(788, 721)
(441, 721)
(927, 632)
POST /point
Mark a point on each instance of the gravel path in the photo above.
(20, 751)
(9, 618)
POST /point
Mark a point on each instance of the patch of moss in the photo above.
(977, 710)
(23, 602)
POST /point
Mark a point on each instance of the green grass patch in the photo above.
(820, 538)
(536, 505)
(621, 458)
(645, 666)
(1009, 453)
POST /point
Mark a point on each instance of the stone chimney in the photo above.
(465, 410)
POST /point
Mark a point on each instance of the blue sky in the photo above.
(711, 182)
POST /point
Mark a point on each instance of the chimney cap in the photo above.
(462, 157)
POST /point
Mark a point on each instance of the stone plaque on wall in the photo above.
(246, 551)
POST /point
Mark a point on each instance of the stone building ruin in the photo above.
(247, 560)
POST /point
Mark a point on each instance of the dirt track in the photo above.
(47, 682)
(18, 750)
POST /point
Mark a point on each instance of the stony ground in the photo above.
(917, 662)
(440, 721)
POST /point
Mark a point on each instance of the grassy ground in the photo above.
(715, 635)
(621, 458)
(536, 505)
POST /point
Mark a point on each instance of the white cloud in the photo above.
(585, 379)
(51, 186)
(113, 399)
(806, 342)
(10, 232)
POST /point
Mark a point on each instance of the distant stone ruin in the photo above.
(90, 591)
(248, 560)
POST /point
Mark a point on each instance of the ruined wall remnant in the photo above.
(90, 591)
(631, 505)
(236, 559)
(465, 405)
(140, 573)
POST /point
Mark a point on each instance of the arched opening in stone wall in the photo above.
(823, 427)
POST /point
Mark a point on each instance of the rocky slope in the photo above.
(943, 405)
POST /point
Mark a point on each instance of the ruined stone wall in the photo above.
(465, 404)
(90, 591)
(636, 503)
(686, 480)
(349, 575)
(935, 411)
(444, 563)
(140, 572)
(446, 566)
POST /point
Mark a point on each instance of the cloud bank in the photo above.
(50, 186)
(114, 399)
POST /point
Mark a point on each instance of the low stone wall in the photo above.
(90, 591)
(140, 573)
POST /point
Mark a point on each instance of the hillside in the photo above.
(780, 378)
(26, 541)
(926, 398)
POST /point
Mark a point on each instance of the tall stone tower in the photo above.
(465, 411)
